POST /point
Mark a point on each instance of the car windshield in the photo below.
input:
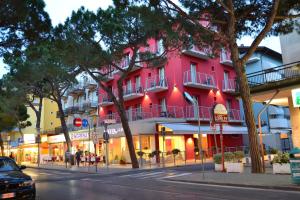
(8, 165)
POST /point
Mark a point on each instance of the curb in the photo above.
(284, 188)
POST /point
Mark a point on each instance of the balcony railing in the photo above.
(235, 115)
(199, 80)
(77, 89)
(225, 58)
(90, 104)
(197, 52)
(205, 113)
(90, 83)
(229, 86)
(133, 92)
(105, 100)
(281, 73)
(156, 111)
(156, 84)
(124, 64)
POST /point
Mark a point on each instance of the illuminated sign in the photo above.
(114, 131)
(296, 97)
(29, 138)
(220, 113)
(56, 139)
(79, 136)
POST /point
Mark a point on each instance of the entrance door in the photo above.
(193, 73)
(189, 147)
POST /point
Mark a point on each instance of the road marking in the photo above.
(151, 175)
(138, 174)
(176, 175)
(227, 186)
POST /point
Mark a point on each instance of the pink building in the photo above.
(153, 99)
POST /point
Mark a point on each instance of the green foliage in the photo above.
(273, 151)
(228, 156)
(218, 158)
(238, 156)
(175, 152)
(140, 153)
(281, 158)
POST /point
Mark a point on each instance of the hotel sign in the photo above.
(296, 97)
(79, 136)
(220, 113)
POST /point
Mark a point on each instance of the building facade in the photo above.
(276, 119)
(154, 99)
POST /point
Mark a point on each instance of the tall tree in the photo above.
(96, 43)
(22, 22)
(226, 21)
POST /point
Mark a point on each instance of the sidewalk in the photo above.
(246, 179)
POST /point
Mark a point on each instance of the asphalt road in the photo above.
(56, 185)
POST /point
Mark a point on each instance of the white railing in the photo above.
(156, 81)
(200, 50)
(229, 85)
(235, 115)
(133, 89)
(205, 113)
(199, 78)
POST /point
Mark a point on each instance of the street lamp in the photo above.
(192, 100)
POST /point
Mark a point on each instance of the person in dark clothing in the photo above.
(77, 156)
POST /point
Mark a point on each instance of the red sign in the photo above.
(77, 122)
(221, 118)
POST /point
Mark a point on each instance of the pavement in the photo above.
(160, 184)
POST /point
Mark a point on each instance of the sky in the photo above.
(59, 10)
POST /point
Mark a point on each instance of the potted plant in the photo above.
(234, 162)
(140, 154)
(272, 153)
(218, 162)
(175, 152)
(281, 164)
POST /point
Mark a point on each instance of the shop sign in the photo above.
(296, 97)
(220, 114)
(114, 131)
(29, 138)
(79, 136)
(56, 138)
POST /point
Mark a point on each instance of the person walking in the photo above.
(77, 156)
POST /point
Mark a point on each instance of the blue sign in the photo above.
(85, 123)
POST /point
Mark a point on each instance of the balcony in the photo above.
(229, 86)
(205, 113)
(105, 100)
(196, 52)
(76, 90)
(280, 123)
(235, 115)
(156, 112)
(90, 104)
(133, 92)
(199, 80)
(156, 84)
(91, 84)
(253, 60)
(225, 58)
(125, 64)
(108, 73)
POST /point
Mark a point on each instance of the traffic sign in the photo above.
(77, 122)
(85, 123)
(105, 136)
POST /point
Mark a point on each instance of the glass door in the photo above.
(161, 76)
(193, 73)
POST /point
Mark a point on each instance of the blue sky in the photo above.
(59, 10)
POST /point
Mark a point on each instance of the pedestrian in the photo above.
(77, 156)
(11, 155)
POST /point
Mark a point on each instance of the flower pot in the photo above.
(283, 168)
(235, 167)
(218, 167)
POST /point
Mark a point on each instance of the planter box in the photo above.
(281, 168)
(218, 167)
(235, 167)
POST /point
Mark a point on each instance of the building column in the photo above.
(295, 123)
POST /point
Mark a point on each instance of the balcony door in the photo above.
(226, 80)
(195, 108)
(138, 84)
(193, 73)
(163, 108)
(161, 76)
(129, 113)
(128, 87)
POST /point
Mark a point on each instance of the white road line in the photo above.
(153, 175)
(227, 186)
(176, 175)
(139, 174)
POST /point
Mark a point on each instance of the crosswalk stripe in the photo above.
(151, 175)
(136, 175)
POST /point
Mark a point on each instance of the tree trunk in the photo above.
(38, 114)
(256, 162)
(126, 128)
(1, 145)
(63, 124)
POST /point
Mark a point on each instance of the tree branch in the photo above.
(224, 6)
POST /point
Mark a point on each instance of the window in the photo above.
(110, 114)
(212, 68)
(226, 77)
(138, 84)
(126, 60)
(128, 87)
(159, 47)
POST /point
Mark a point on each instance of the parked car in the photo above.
(14, 184)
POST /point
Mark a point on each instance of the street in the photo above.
(54, 184)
